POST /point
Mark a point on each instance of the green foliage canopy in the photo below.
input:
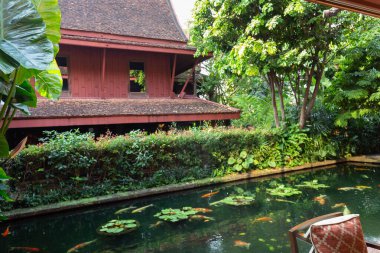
(286, 43)
(355, 89)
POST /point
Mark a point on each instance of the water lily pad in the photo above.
(118, 227)
(237, 200)
(283, 191)
(312, 185)
(175, 215)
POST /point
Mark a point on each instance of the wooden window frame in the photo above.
(137, 94)
(66, 93)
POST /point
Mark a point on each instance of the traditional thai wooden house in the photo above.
(119, 60)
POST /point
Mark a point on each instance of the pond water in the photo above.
(260, 227)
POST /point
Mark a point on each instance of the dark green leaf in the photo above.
(23, 37)
(4, 147)
(23, 108)
(26, 95)
(3, 175)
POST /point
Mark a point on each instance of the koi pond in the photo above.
(250, 216)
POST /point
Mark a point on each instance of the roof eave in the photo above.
(368, 7)
(103, 40)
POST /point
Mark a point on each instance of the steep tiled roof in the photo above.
(113, 107)
(138, 18)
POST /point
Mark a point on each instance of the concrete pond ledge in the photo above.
(122, 196)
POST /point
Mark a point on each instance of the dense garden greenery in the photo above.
(319, 66)
(72, 165)
(286, 57)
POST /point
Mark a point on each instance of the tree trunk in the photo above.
(273, 96)
(303, 112)
(280, 86)
(315, 92)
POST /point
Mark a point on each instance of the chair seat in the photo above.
(372, 250)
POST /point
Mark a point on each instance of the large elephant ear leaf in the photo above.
(51, 14)
(4, 147)
(7, 64)
(49, 82)
(25, 94)
(22, 36)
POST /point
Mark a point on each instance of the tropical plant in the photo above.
(29, 37)
(240, 163)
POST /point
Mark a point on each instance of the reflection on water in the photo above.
(235, 229)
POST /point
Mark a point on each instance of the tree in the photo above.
(286, 42)
(355, 89)
(29, 37)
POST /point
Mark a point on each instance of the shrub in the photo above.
(72, 165)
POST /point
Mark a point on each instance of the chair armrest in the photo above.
(373, 245)
(306, 224)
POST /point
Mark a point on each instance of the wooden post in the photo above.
(194, 84)
(102, 87)
(183, 93)
(172, 94)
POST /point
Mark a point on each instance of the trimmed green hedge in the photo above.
(72, 165)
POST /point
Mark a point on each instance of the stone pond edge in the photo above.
(122, 196)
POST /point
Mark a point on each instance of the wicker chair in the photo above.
(294, 234)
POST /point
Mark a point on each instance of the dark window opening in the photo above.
(64, 67)
(65, 84)
(137, 82)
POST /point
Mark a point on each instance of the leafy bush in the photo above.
(72, 165)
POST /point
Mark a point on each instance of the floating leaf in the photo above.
(283, 191)
(312, 185)
(175, 215)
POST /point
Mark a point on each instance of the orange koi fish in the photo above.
(26, 249)
(6, 232)
(202, 210)
(81, 245)
(320, 199)
(263, 219)
(378, 185)
(201, 217)
(208, 195)
(339, 205)
(238, 243)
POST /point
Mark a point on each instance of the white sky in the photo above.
(183, 10)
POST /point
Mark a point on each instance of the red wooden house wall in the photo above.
(86, 66)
